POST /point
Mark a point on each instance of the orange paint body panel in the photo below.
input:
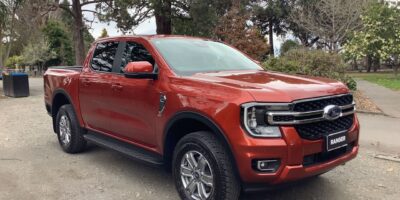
(128, 109)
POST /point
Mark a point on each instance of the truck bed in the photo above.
(61, 79)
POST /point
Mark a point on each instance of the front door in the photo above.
(134, 102)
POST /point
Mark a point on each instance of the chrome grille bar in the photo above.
(318, 116)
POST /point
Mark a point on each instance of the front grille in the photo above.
(310, 110)
(317, 130)
(320, 104)
(284, 118)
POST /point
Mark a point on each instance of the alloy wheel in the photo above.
(196, 175)
(65, 130)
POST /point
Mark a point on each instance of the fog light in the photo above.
(269, 166)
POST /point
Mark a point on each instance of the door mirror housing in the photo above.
(140, 70)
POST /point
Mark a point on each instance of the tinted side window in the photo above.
(135, 52)
(104, 55)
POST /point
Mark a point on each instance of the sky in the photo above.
(145, 28)
(148, 27)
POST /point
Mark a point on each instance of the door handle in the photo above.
(85, 82)
(116, 87)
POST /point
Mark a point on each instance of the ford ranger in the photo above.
(203, 110)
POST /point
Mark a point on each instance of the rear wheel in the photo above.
(69, 133)
(203, 170)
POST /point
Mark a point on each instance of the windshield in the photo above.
(189, 56)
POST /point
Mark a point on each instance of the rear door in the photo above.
(95, 87)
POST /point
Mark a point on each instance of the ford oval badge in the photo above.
(332, 112)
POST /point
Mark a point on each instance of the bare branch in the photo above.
(330, 20)
(92, 11)
(66, 8)
(91, 2)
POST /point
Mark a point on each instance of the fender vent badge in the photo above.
(163, 101)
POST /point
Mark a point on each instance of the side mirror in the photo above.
(140, 70)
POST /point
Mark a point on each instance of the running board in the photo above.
(130, 150)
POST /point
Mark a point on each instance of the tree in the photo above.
(67, 20)
(192, 17)
(163, 15)
(198, 17)
(330, 20)
(126, 13)
(234, 30)
(30, 15)
(104, 33)
(8, 9)
(38, 53)
(379, 37)
(270, 17)
(306, 38)
(3, 22)
(59, 42)
(130, 13)
(75, 10)
(13, 61)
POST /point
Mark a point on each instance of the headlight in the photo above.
(254, 119)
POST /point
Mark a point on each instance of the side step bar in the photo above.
(130, 150)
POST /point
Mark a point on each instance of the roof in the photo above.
(149, 37)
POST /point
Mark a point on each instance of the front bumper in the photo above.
(291, 150)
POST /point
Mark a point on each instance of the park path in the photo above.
(387, 100)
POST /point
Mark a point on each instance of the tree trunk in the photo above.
(396, 65)
(1, 47)
(369, 63)
(162, 13)
(377, 63)
(9, 45)
(271, 39)
(78, 33)
(355, 64)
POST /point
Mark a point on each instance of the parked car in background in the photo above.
(205, 110)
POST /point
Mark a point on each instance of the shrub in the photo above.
(313, 63)
(13, 61)
(289, 45)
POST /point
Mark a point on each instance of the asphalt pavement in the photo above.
(33, 166)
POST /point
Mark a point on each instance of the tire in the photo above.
(69, 132)
(200, 146)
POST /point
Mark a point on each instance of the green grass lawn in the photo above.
(387, 80)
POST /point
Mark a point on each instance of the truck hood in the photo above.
(274, 87)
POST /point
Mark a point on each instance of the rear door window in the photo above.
(104, 56)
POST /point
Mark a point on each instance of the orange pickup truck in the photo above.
(203, 110)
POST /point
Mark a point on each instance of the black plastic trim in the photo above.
(127, 149)
(264, 187)
(55, 93)
(209, 123)
(142, 75)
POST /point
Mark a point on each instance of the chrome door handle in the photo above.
(85, 82)
(116, 87)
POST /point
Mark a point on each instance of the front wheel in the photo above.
(202, 169)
